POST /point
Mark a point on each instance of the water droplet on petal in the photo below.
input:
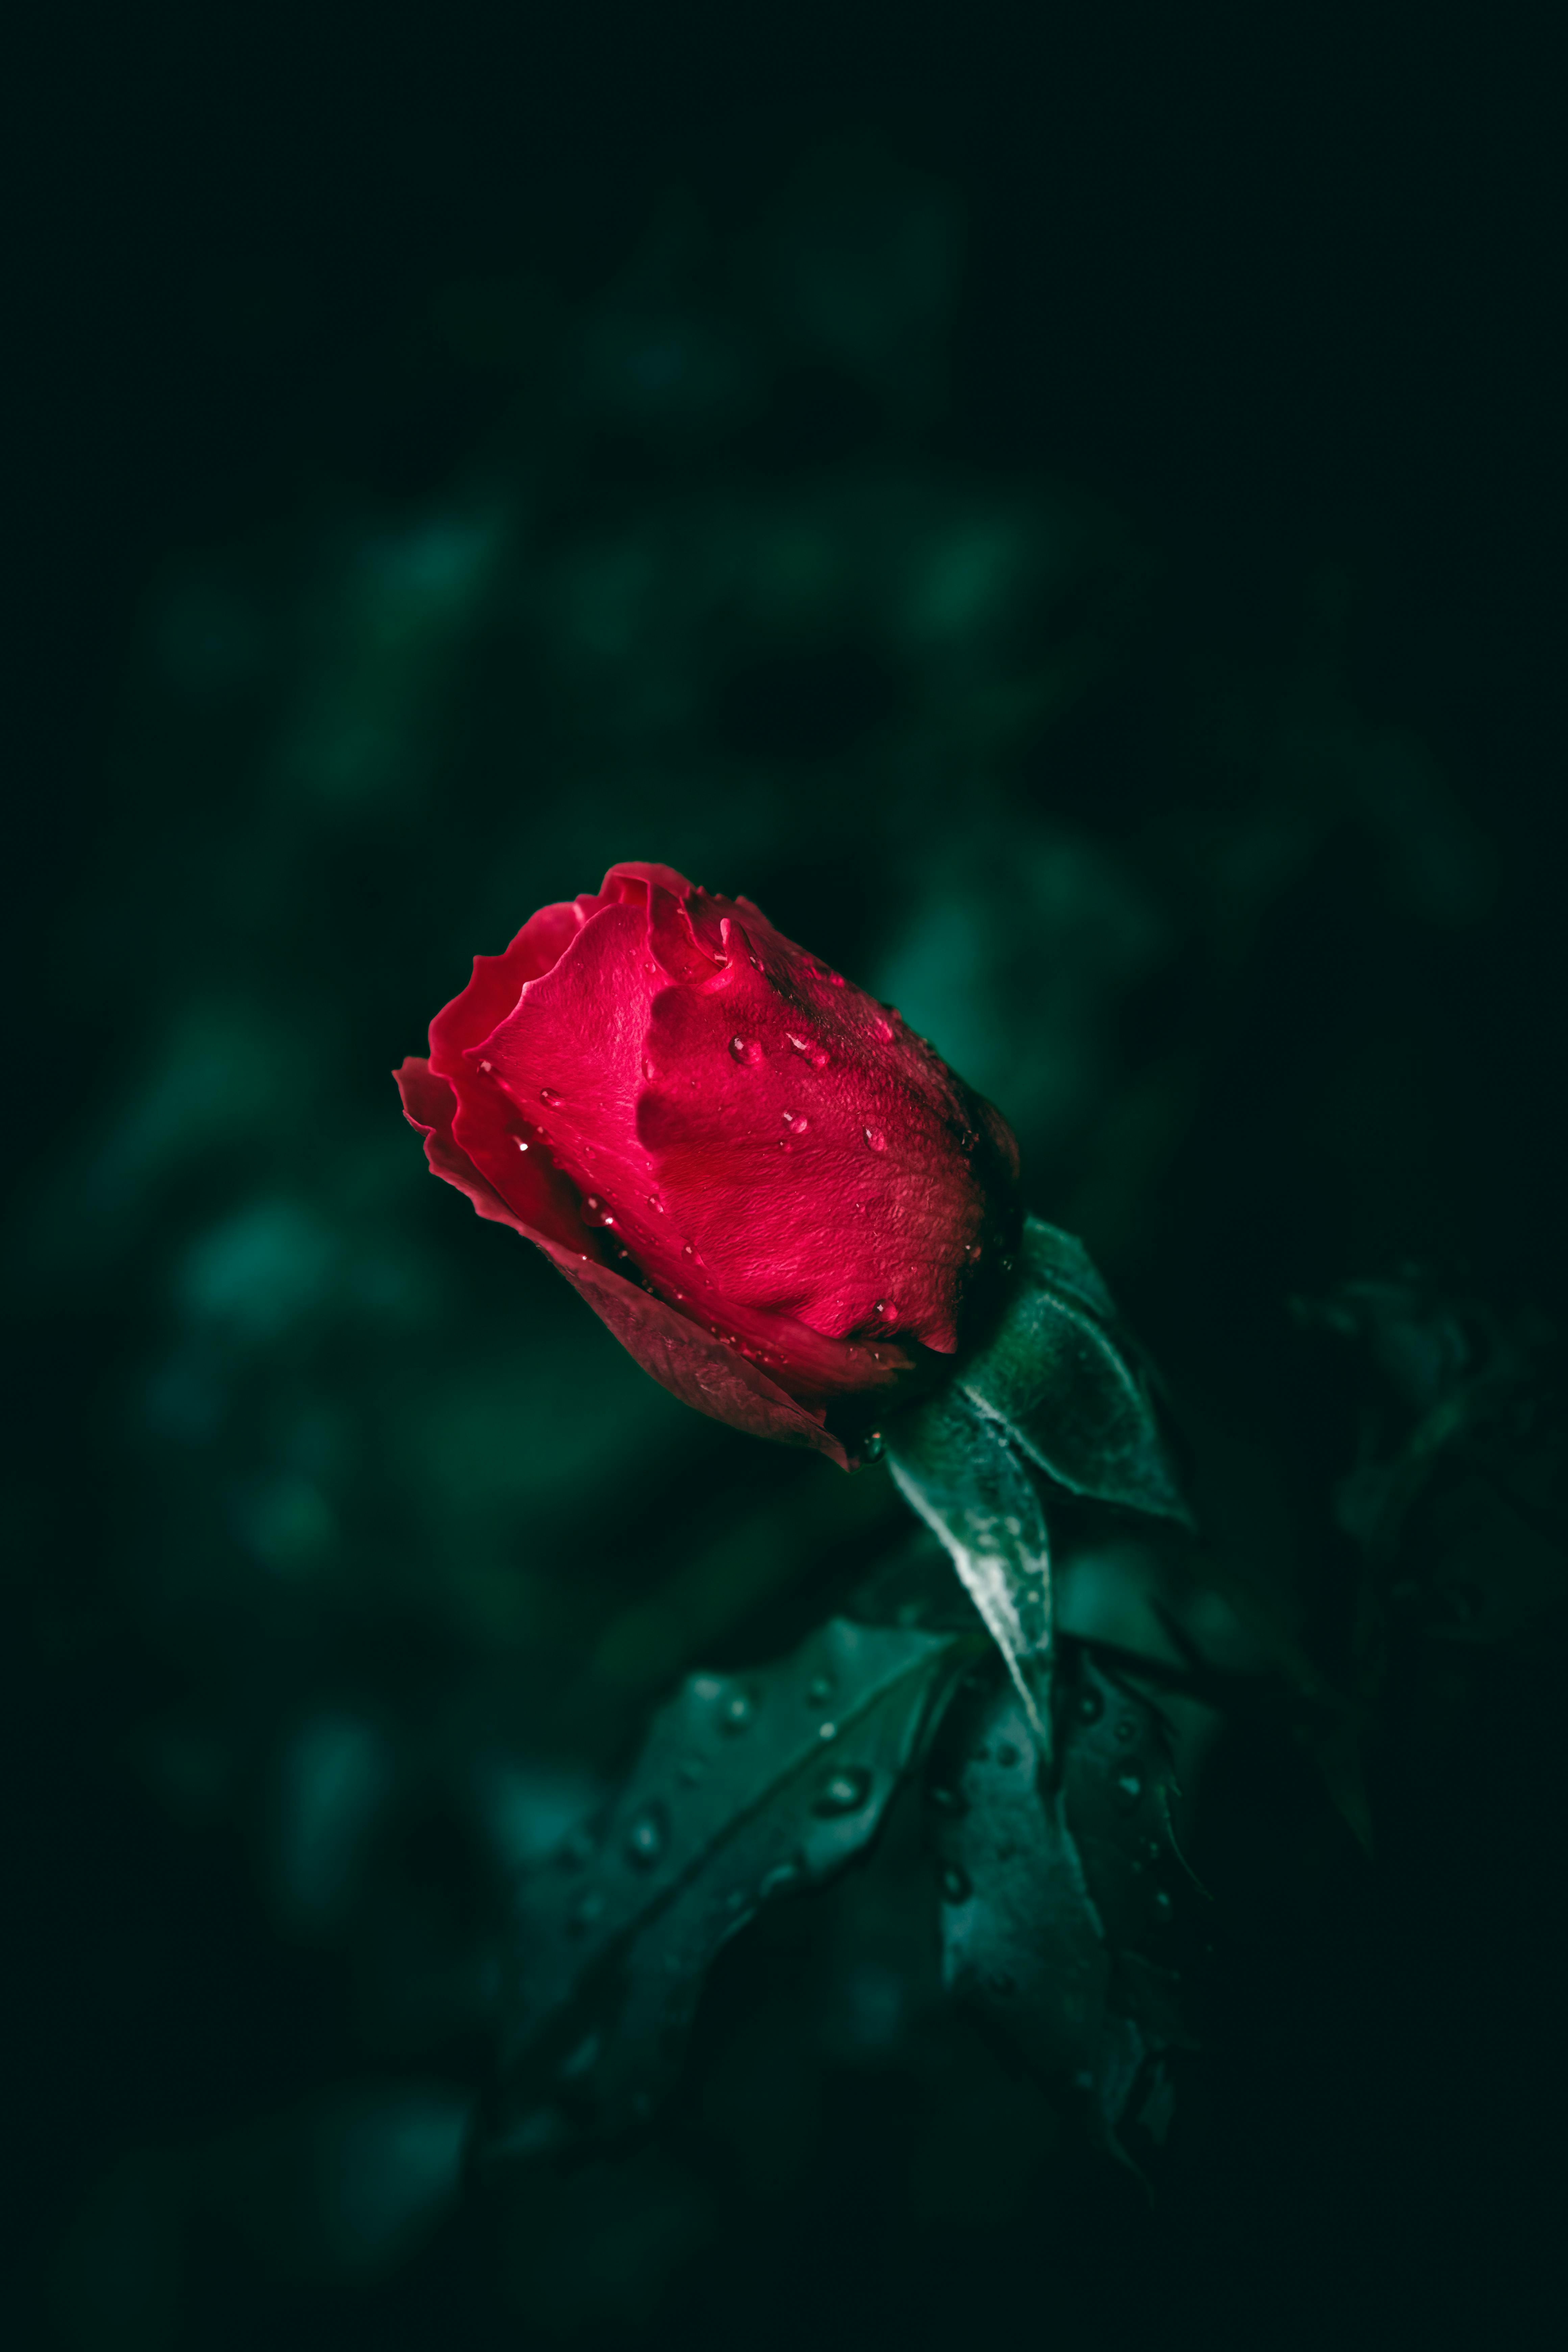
(519, 1141)
(745, 1050)
(655, 1203)
(595, 1212)
(647, 1838)
(843, 1792)
(689, 1251)
(1128, 1787)
(954, 1886)
(486, 1067)
(875, 1138)
(884, 1031)
(548, 1095)
(836, 978)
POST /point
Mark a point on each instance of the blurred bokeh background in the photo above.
(1064, 508)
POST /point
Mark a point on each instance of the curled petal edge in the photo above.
(700, 1370)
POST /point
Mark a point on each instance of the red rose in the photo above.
(773, 1194)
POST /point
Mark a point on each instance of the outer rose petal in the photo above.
(700, 1370)
(866, 1168)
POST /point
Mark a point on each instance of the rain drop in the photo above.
(875, 1138)
(1162, 1902)
(1128, 1787)
(548, 1095)
(745, 1050)
(486, 1067)
(827, 1731)
(647, 1838)
(1125, 1730)
(954, 1886)
(520, 1145)
(737, 1711)
(817, 1690)
(1091, 1706)
(843, 1792)
(874, 1448)
(595, 1212)
(836, 978)
(689, 1251)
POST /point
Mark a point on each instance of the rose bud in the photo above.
(776, 1196)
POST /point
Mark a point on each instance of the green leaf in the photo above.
(1070, 1386)
(749, 1786)
(1068, 1914)
(954, 1465)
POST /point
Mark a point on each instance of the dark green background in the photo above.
(1062, 507)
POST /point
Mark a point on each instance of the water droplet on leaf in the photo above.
(1127, 1788)
(817, 1689)
(954, 1886)
(647, 1838)
(737, 1711)
(843, 1792)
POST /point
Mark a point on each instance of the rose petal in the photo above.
(848, 1143)
(568, 1054)
(498, 981)
(481, 1158)
(700, 1370)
